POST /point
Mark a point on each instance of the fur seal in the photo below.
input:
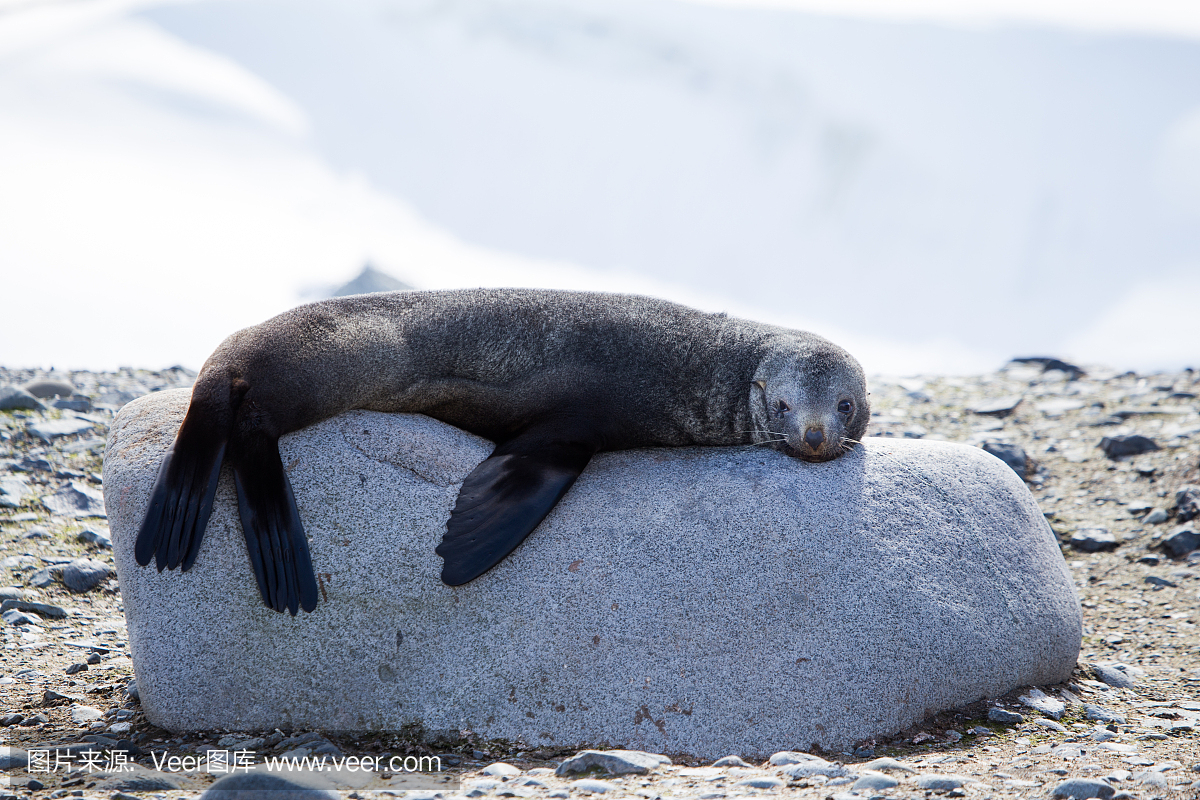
(551, 376)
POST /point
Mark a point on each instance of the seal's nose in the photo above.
(814, 438)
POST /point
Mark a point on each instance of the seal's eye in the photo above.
(782, 406)
(845, 407)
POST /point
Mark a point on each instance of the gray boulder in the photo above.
(701, 600)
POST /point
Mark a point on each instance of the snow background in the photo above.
(937, 191)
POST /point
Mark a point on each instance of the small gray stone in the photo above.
(1101, 714)
(8, 720)
(1001, 407)
(1082, 789)
(81, 715)
(13, 758)
(731, 761)
(44, 388)
(99, 538)
(500, 770)
(887, 765)
(1118, 446)
(81, 405)
(1187, 503)
(76, 668)
(15, 617)
(1004, 716)
(77, 500)
(13, 491)
(43, 609)
(1010, 454)
(1040, 701)
(941, 783)
(1050, 724)
(11, 593)
(132, 690)
(614, 762)
(136, 778)
(52, 429)
(761, 782)
(593, 786)
(818, 766)
(14, 398)
(792, 757)
(1182, 540)
(1156, 517)
(1154, 580)
(1113, 676)
(45, 577)
(1093, 540)
(84, 574)
(874, 782)
(257, 785)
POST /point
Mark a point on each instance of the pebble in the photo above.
(501, 770)
(1182, 540)
(1156, 517)
(1001, 407)
(83, 714)
(1133, 445)
(1113, 676)
(887, 765)
(1101, 714)
(52, 429)
(45, 577)
(941, 783)
(1004, 716)
(1011, 454)
(874, 782)
(15, 617)
(761, 782)
(43, 609)
(84, 574)
(1082, 789)
(591, 786)
(44, 388)
(1040, 701)
(614, 762)
(76, 500)
(101, 539)
(731, 761)
(1187, 503)
(1093, 540)
(1050, 724)
(260, 784)
(793, 757)
(14, 398)
(818, 766)
(13, 758)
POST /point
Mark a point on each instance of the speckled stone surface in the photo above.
(706, 601)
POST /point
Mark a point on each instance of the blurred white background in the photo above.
(938, 186)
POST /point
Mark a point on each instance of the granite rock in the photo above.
(672, 597)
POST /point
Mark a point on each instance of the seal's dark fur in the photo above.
(552, 377)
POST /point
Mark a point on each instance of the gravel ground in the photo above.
(1125, 726)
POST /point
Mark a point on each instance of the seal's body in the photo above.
(552, 377)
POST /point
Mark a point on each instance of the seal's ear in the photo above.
(762, 385)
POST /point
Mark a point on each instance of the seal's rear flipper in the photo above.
(504, 499)
(275, 539)
(181, 500)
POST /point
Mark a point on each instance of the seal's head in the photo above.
(809, 399)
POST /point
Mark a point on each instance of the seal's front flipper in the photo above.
(275, 539)
(504, 499)
(182, 499)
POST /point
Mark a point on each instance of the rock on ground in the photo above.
(686, 600)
